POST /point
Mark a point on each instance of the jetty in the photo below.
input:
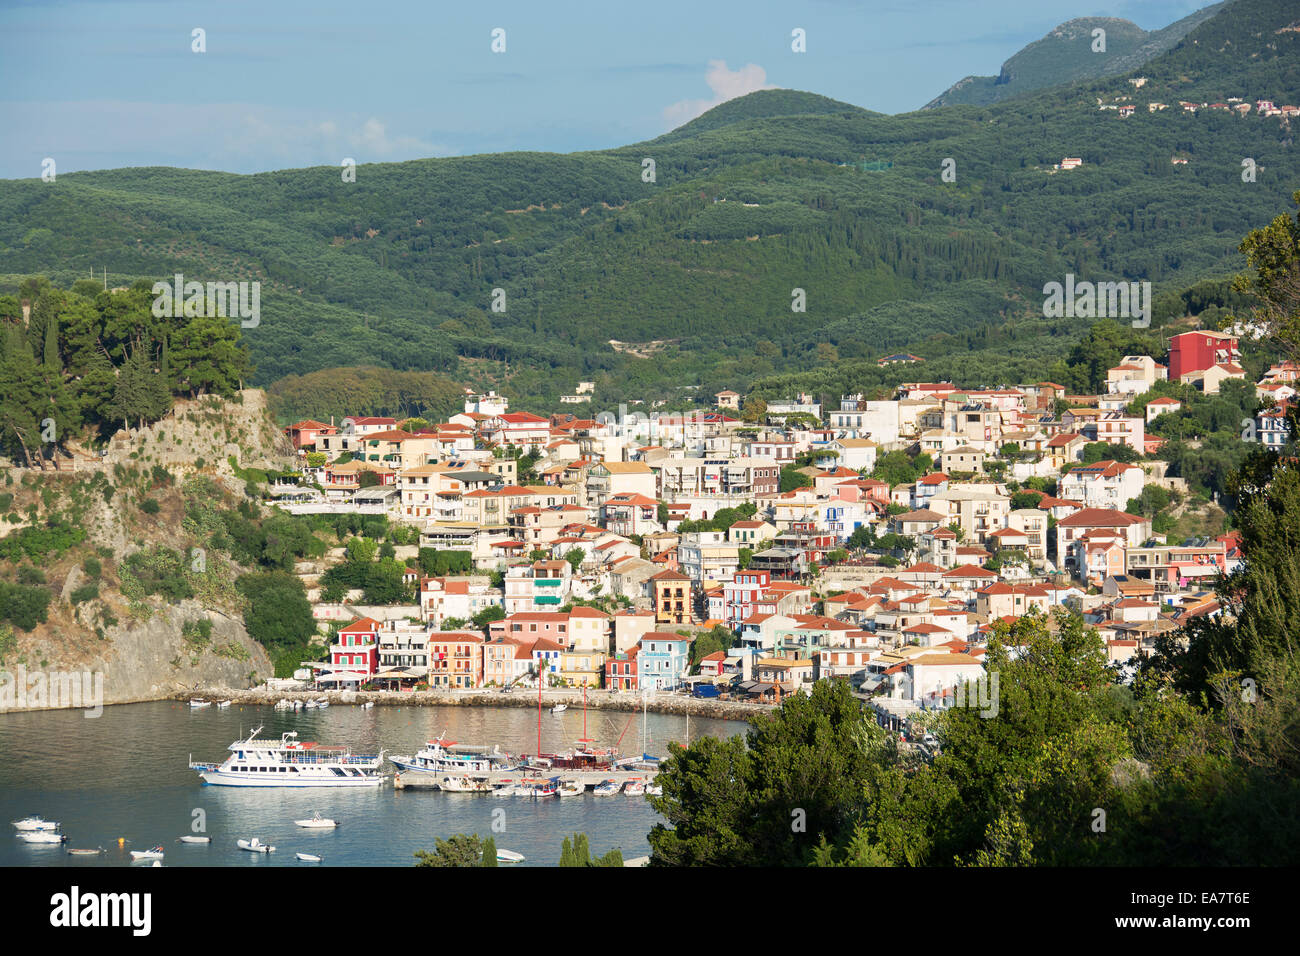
(421, 780)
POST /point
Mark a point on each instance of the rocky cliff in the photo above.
(134, 499)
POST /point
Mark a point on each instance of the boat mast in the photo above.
(539, 708)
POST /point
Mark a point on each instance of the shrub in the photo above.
(85, 593)
(149, 506)
(25, 606)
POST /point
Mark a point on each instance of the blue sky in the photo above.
(100, 84)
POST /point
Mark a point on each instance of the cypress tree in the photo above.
(51, 356)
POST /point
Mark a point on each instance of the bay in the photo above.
(125, 775)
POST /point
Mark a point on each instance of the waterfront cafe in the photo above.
(342, 680)
(401, 678)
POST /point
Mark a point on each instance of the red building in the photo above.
(357, 649)
(620, 670)
(1197, 351)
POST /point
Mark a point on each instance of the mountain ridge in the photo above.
(400, 268)
(1064, 55)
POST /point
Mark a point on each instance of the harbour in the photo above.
(143, 793)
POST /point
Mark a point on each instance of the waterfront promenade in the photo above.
(660, 703)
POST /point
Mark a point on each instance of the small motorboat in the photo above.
(509, 790)
(536, 790)
(42, 836)
(322, 703)
(570, 788)
(311, 705)
(308, 857)
(368, 705)
(464, 785)
(653, 790)
(28, 824)
(607, 788)
(155, 854)
(317, 822)
(635, 788)
(198, 704)
(94, 852)
(559, 708)
(509, 856)
(255, 846)
(195, 839)
(223, 705)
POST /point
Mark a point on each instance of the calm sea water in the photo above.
(125, 775)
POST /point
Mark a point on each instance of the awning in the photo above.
(343, 677)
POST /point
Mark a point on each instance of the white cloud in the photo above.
(726, 85)
(237, 137)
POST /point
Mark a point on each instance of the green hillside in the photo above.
(1066, 55)
(749, 202)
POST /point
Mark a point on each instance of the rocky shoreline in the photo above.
(661, 703)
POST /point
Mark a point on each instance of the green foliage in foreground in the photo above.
(464, 850)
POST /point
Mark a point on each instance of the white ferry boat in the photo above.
(450, 758)
(289, 762)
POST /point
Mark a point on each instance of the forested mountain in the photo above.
(766, 194)
(1067, 54)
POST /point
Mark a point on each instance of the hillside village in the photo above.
(706, 554)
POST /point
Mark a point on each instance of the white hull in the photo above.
(32, 824)
(195, 839)
(308, 857)
(509, 856)
(316, 824)
(224, 779)
(254, 846)
(42, 836)
(264, 763)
